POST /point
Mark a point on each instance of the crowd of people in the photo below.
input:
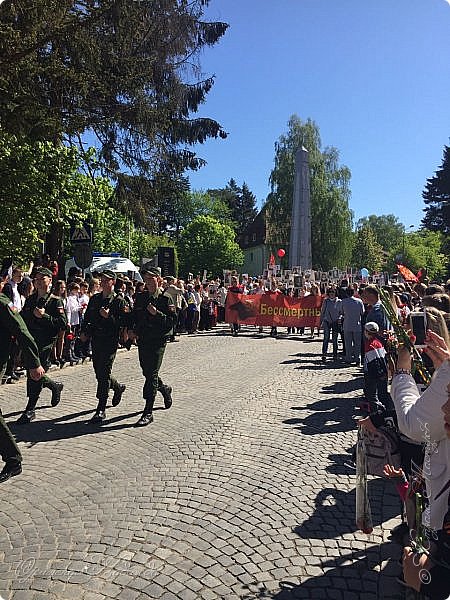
(50, 320)
(416, 408)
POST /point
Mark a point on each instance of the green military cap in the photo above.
(149, 268)
(109, 274)
(44, 271)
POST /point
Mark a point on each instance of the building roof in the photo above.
(255, 233)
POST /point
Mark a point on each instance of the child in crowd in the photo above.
(375, 370)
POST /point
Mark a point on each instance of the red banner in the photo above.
(406, 273)
(273, 309)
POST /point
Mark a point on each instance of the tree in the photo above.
(387, 229)
(244, 212)
(329, 186)
(124, 70)
(241, 202)
(183, 208)
(208, 244)
(437, 198)
(366, 250)
(115, 232)
(422, 248)
(42, 186)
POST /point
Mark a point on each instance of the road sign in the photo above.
(82, 255)
(81, 234)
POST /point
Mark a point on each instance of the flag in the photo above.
(271, 260)
(406, 273)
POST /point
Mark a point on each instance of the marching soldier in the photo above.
(12, 324)
(106, 313)
(153, 319)
(44, 316)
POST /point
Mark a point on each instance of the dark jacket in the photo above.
(108, 328)
(12, 324)
(54, 320)
(153, 327)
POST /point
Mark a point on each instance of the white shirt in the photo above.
(17, 298)
(73, 307)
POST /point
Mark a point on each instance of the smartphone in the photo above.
(419, 328)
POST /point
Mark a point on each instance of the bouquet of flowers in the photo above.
(400, 337)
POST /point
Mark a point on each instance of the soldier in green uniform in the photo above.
(153, 319)
(12, 324)
(106, 313)
(44, 316)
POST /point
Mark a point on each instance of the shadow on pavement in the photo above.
(344, 387)
(334, 513)
(351, 575)
(337, 420)
(342, 464)
(52, 430)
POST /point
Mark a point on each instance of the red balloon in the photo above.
(281, 252)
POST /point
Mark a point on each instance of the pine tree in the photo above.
(437, 198)
(124, 70)
(245, 212)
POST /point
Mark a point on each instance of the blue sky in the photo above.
(373, 74)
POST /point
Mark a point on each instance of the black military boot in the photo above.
(166, 392)
(26, 417)
(100, 413)
(56, 388)
(28, 414)
(147, 415)
(117, 397)
(12, 468)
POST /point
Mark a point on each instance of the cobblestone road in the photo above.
(239, 491)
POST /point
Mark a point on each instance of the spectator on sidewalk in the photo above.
(375, 313)
(375, 370)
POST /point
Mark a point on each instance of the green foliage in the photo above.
(367, 252)
(125, 70)
(387, 229)
(241, 203)
(115, 232)
(42, 187)
(181, 210)
(437, 198)
(331, 225)
(422, 249)
(208, 244)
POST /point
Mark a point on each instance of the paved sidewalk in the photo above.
(239, 491)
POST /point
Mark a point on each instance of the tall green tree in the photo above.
(181, 209)
(436, 196)
(245, 211)
(125, 70)
(42, 186)
(388, 229)
(206, 243)
(329, 185)
(241, 202)
(437, 200)
(367, 252)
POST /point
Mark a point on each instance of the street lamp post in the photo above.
(404, 236)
